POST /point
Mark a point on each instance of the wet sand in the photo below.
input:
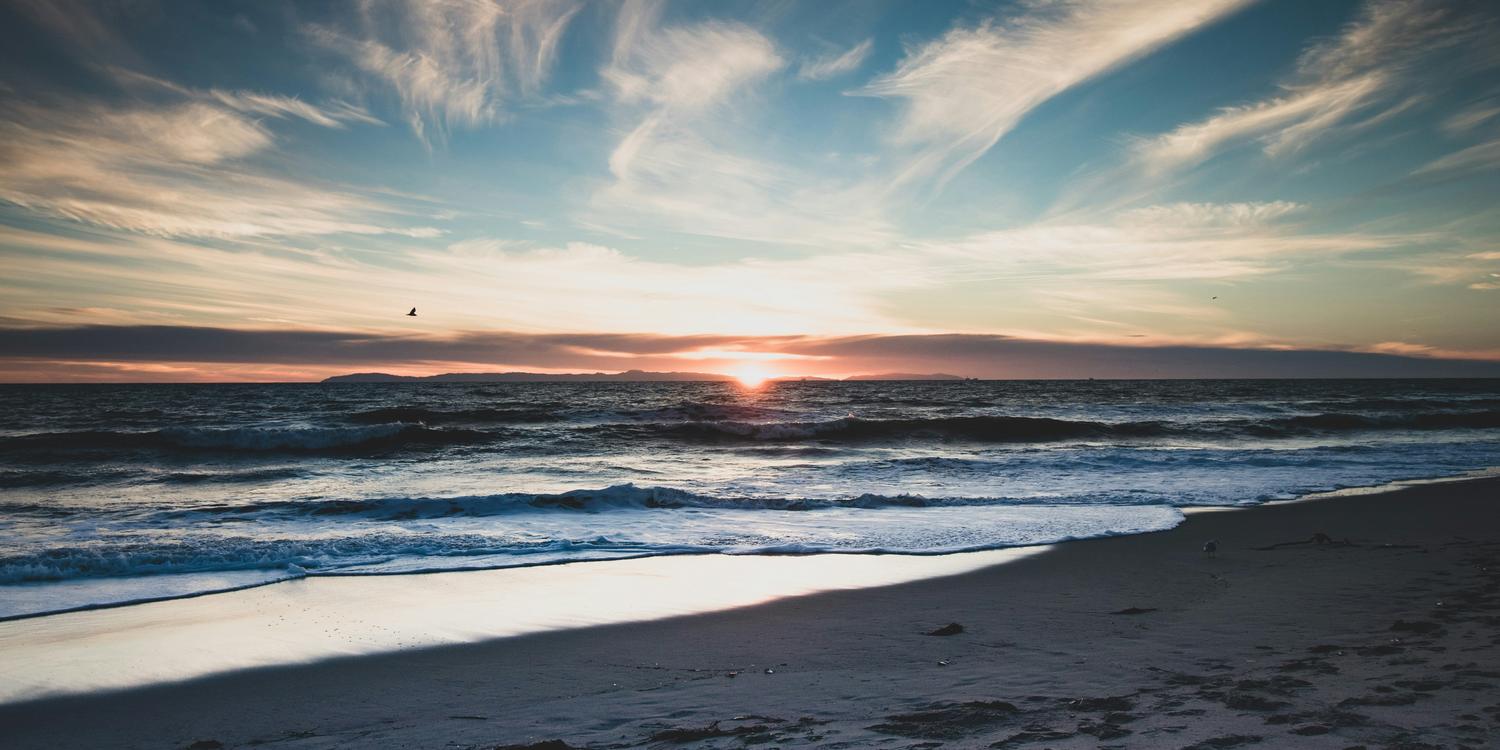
(1388, 639)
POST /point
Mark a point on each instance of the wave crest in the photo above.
(429, 416)
(989, 429)
(248, 439)
(1335, 422)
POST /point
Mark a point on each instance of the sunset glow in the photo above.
(562, 186)
(751, 375)
(331, 306)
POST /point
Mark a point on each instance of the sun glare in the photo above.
(751, 375)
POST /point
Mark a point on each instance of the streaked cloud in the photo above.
(836, 64)
(1212, 214)
(273, 105)
(725, 179)
(1349, 82)
(76, 24)
(684, 69)
(685, 164)
(154, 352)
(470, 283)
(1471, 117)
(963, 92)
(1174, 241)
(1478, 158)
(177, 169)
(453, 63)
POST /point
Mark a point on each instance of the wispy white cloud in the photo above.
(454, 63)
(1362, 73)
(1285, 123)
(685, 69)
(1169, 242)
(176, 169)
(835, 64)
(335, 115)
(683, 162)
(1478, 158)
(77, 24)
(1148, 275)
(1452, 262)
(1102, 281)
(1471, 117)
(470, 284)
(1211, 214)
(966, 90)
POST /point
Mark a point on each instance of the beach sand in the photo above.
(1390, 640)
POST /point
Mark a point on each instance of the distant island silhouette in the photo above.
(642, 376)
(906, 376)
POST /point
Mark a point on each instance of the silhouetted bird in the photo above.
(413, 313)
(1211, 548)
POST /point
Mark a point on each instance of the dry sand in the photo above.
(1389, 641)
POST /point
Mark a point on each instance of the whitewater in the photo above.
(111, 495)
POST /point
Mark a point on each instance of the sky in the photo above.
(1041, 188)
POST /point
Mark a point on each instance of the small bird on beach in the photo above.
(413, 313)
(1211, 548)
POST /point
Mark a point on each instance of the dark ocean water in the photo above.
(124, 493)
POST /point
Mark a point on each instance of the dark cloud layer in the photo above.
(29, 352)
(201, 344)
(1006, 357)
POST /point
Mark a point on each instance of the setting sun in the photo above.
(751, 375)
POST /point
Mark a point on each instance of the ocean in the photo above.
(115, 494)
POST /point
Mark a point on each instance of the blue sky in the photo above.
(1140, 174)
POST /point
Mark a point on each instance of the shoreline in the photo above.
(1185, 510)
(313, 619)
(1051, 627)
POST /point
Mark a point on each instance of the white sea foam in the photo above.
(375, 548)
(111, 495)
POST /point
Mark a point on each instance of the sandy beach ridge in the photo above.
(1386, 637)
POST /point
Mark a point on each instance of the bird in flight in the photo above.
(413, 313)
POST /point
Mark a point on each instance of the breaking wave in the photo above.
(1003, 429)
(855, 429)
(213, 553)
(382, 549)
(615, 498)
(427, 416)
(704, 423)
(1333, 422)
(248, 439)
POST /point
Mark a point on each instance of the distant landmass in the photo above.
(906, 376)
(527, 377)
(641, 376)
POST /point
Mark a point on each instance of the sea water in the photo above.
(117, 494)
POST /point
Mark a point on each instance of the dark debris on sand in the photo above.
(1358, 691)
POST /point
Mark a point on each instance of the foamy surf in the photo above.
(115, 495)
(198, 563)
